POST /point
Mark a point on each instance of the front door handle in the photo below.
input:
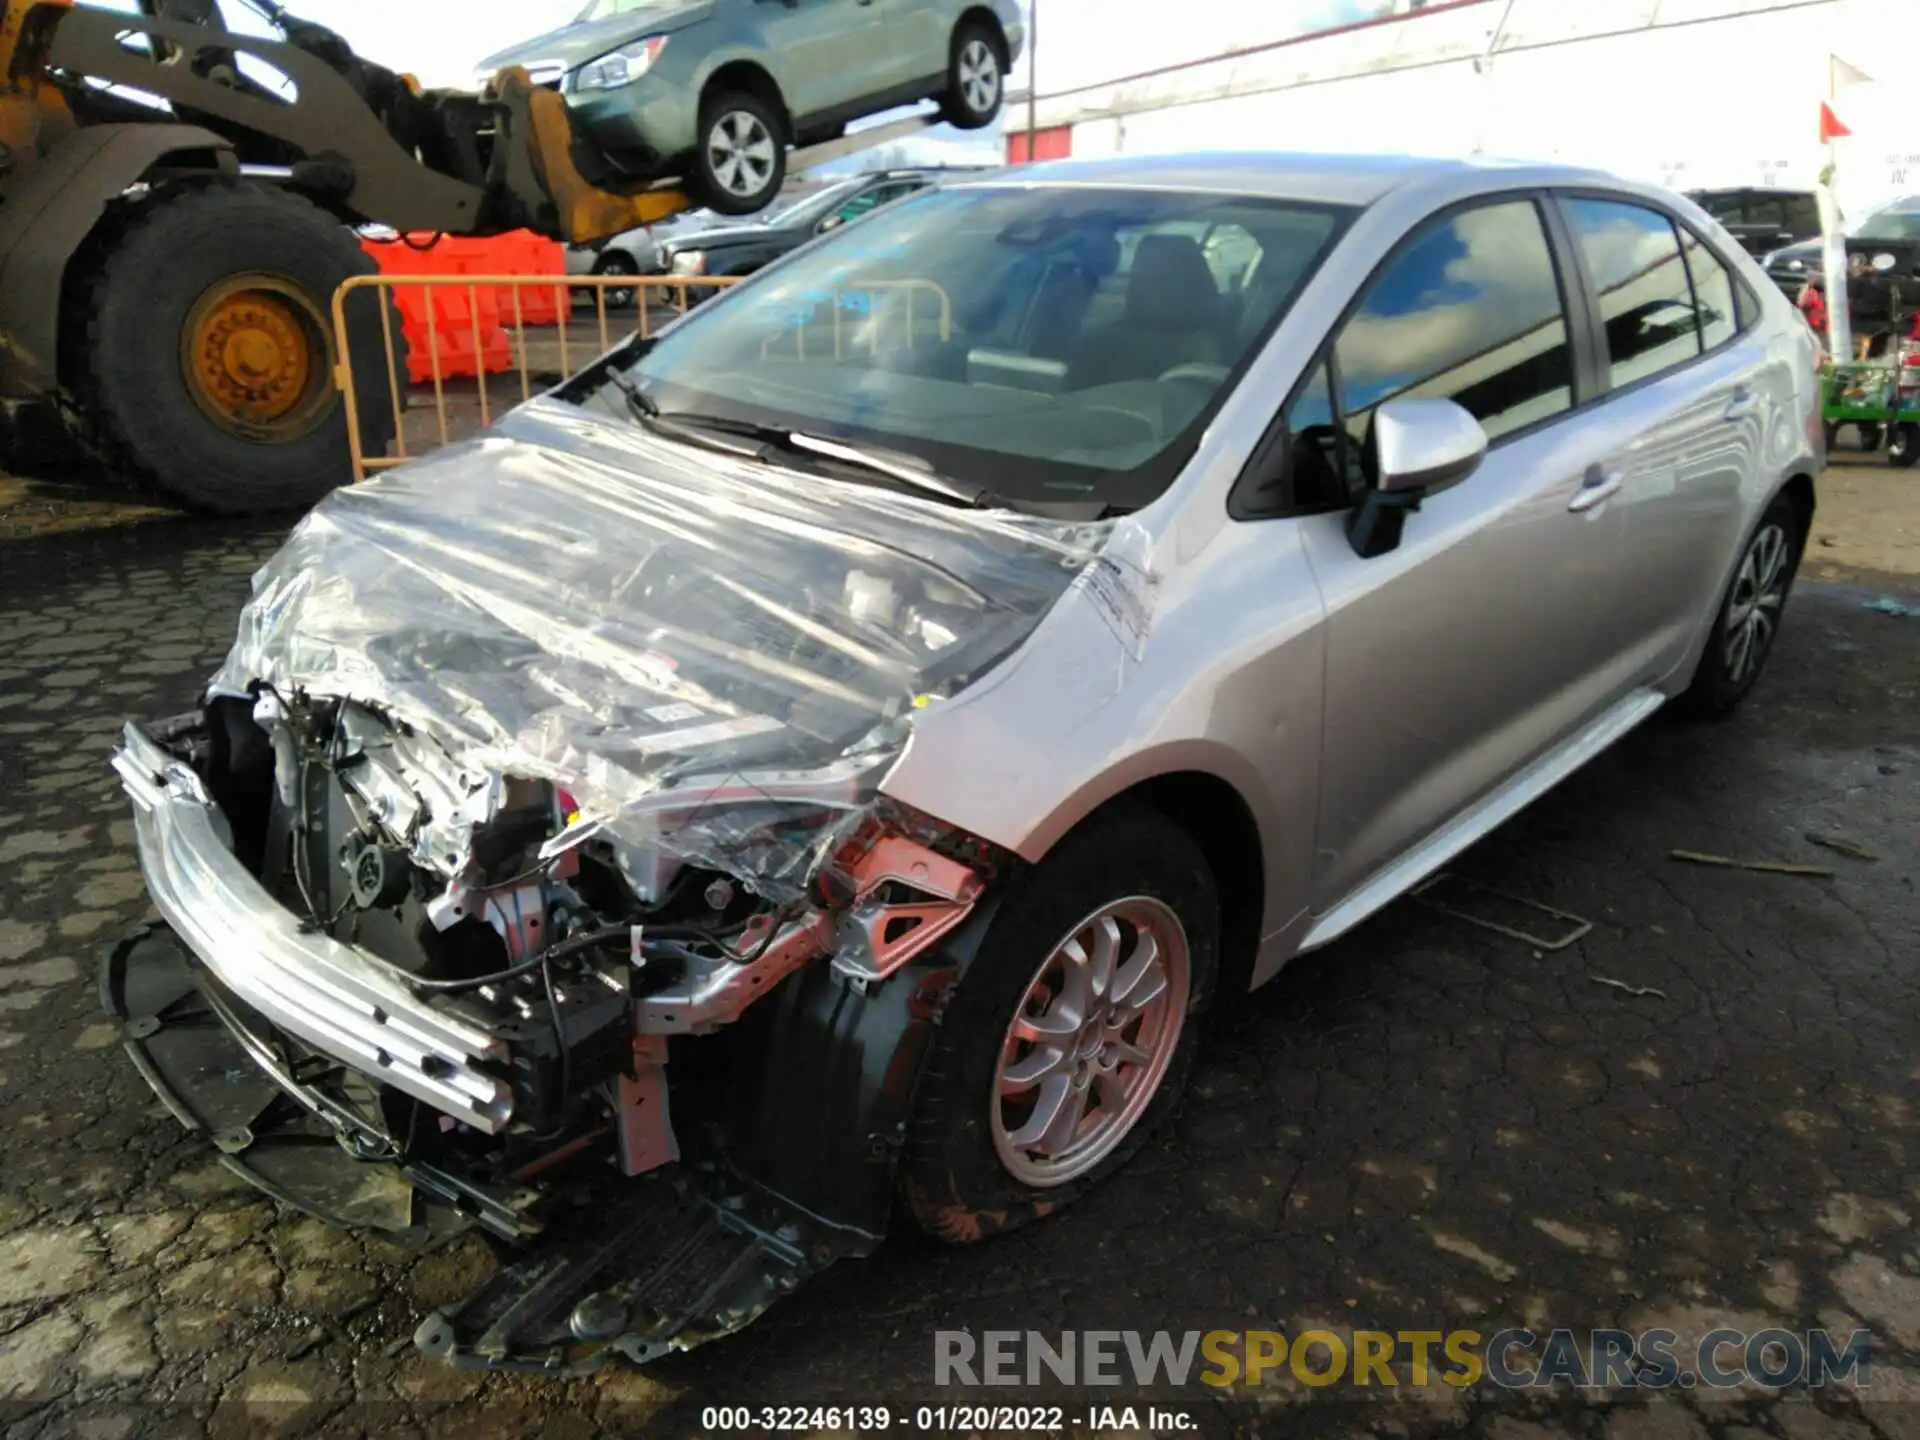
(1745, 401)
(1599, 487)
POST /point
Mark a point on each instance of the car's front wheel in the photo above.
(617, 263)
(742, 160)
(1750, 613)
(976, 76)
(1071, 1034)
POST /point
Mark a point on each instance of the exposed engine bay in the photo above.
(532, 850)
(498, 1039)
(538, 936)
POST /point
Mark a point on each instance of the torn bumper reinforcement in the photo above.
(306, 983)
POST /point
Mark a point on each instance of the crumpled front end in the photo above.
(531, 852)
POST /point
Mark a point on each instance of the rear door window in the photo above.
(1712, 292)
(1647, 306)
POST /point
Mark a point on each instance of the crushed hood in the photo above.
(649, 626)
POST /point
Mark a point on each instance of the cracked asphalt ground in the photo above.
(1427, 1126)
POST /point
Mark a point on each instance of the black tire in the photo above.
(1903, 451)
(1719, 683)
(617, 262)
(1870, 436)
(965, 104)
(953, 1182)
(731, 123)
(135, 398)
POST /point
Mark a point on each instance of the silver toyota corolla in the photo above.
(829, 755)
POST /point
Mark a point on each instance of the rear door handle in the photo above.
(1745, 401)
(1599, 487)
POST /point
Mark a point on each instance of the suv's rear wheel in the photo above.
(742, 160)
(976, 76)
(1071, 1035)
(1750, 614)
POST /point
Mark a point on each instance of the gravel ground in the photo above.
(1426, 1126)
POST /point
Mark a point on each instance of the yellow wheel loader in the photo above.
(175, 210)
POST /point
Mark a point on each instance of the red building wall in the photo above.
(1055, 143)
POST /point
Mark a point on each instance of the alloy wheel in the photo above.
(979, 76)
(741, 153)
(1090, 1042)
(1753, 609)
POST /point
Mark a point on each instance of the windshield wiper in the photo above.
(908, 470)
(643, 409)
(897, 466)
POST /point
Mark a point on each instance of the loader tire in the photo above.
(206, 354)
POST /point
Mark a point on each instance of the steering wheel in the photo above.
(1197, 370)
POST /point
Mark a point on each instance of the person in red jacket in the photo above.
(1813, 307)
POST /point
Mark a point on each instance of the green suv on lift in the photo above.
(715, 91)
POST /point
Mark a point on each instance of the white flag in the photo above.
(1841, 75)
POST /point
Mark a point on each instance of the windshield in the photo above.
(1898, 221)
(1046, 345)
(607, 9)
(809, 208)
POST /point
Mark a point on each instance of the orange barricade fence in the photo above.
(474, 326)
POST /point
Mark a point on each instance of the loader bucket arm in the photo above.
(354, 161)
(540, 168)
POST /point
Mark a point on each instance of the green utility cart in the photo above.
(1882, 398)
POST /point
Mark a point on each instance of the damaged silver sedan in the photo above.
(820, 762)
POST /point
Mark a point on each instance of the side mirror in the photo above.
(1415, 448)
(832, 222)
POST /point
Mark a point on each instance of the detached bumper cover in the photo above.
(315, 988)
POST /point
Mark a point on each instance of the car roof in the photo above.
(1330, 179)
(896, 172)
(1759, 191)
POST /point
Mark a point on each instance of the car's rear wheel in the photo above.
(1071, 1035)
(976, 76)
(742, 160)
(1749, 617)
(1904, 449)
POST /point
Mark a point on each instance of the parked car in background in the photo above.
(834, 752)
(637, 251)
(743, 249)
(1762, 219)
(714, 91)
(1891, 228)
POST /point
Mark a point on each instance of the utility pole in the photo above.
(1033, 76)
(1833, 226)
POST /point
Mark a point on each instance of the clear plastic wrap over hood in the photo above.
(715, 657)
